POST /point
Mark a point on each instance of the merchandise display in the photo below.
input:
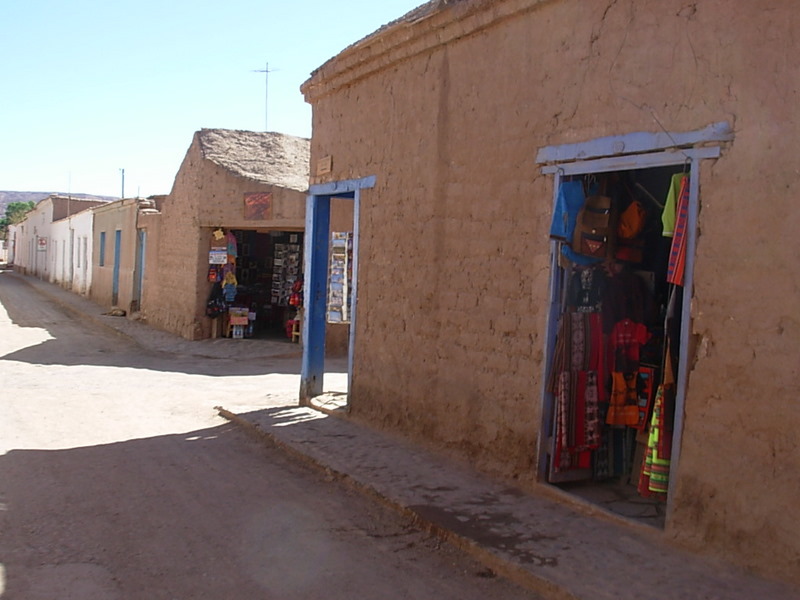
(611, 379)
(256, 282)
(340, 276)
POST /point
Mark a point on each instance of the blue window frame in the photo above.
(102, 248)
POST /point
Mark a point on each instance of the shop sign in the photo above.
(41, 243)
(324, 165)
(218, 257)
(258, 206)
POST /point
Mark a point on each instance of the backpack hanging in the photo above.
(594, 234)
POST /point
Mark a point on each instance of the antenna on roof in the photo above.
(266, 72)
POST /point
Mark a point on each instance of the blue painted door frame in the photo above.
(317, 235)
(138, 274)
(115, 281)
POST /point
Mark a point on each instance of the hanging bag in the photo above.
(630, 242)
(594, 229)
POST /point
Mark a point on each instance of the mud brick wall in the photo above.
(171, 306)
(448, 114)
(119, 215)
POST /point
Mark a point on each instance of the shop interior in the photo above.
(620, 242)
(260, 283)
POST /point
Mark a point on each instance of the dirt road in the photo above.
(119, 481)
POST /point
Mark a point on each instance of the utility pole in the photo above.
(123, 183)
(266, 71)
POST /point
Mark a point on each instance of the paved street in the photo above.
(118, 480)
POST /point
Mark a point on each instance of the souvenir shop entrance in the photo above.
(259, 276)
(623, 238)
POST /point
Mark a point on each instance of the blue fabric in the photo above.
(229, 292)
(565, 214)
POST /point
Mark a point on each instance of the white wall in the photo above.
(59, 254)
(70, 252)
(35, 228)
(81, 224)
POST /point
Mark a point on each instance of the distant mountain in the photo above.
(7, 198)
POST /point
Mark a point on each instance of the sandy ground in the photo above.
(118, 480)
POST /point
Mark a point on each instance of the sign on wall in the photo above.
(257, 206)
(324, 165)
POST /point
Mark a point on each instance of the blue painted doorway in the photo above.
(117, 255)
(317, 244)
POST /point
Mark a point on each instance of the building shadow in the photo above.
(170, 516)
(75, 340)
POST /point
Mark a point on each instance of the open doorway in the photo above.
(616, 363)
(618, 237)
(331, 291)
(258, 275)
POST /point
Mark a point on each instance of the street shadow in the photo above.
(75, 340)
(63, 351)
(67, 509)
(171, 516)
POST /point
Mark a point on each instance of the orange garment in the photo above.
(623, 409)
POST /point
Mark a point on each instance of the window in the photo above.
(102, 248)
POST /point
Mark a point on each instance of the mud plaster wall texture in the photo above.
(120, 215)
(454, 236)
(171, 305)
(151, 223)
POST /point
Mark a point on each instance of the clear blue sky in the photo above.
(89, 87)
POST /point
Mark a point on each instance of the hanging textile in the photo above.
(677, 255)
(578, 422)
(626, 296)
(668, 215)
(569, 201)
(654, 478)
(229, 287)
(575, 387)
(654, 475)
(232, 246)
(626, 339)
(586, 289)
(624, 406)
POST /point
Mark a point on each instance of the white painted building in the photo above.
(46, 244)
(70, 251)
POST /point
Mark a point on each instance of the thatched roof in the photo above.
(267, 157)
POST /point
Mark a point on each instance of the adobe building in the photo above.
(238, 205)
(575, 252)
(116, 255)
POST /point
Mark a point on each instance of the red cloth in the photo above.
(677, 255)
(625, 340)
(289, 328)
